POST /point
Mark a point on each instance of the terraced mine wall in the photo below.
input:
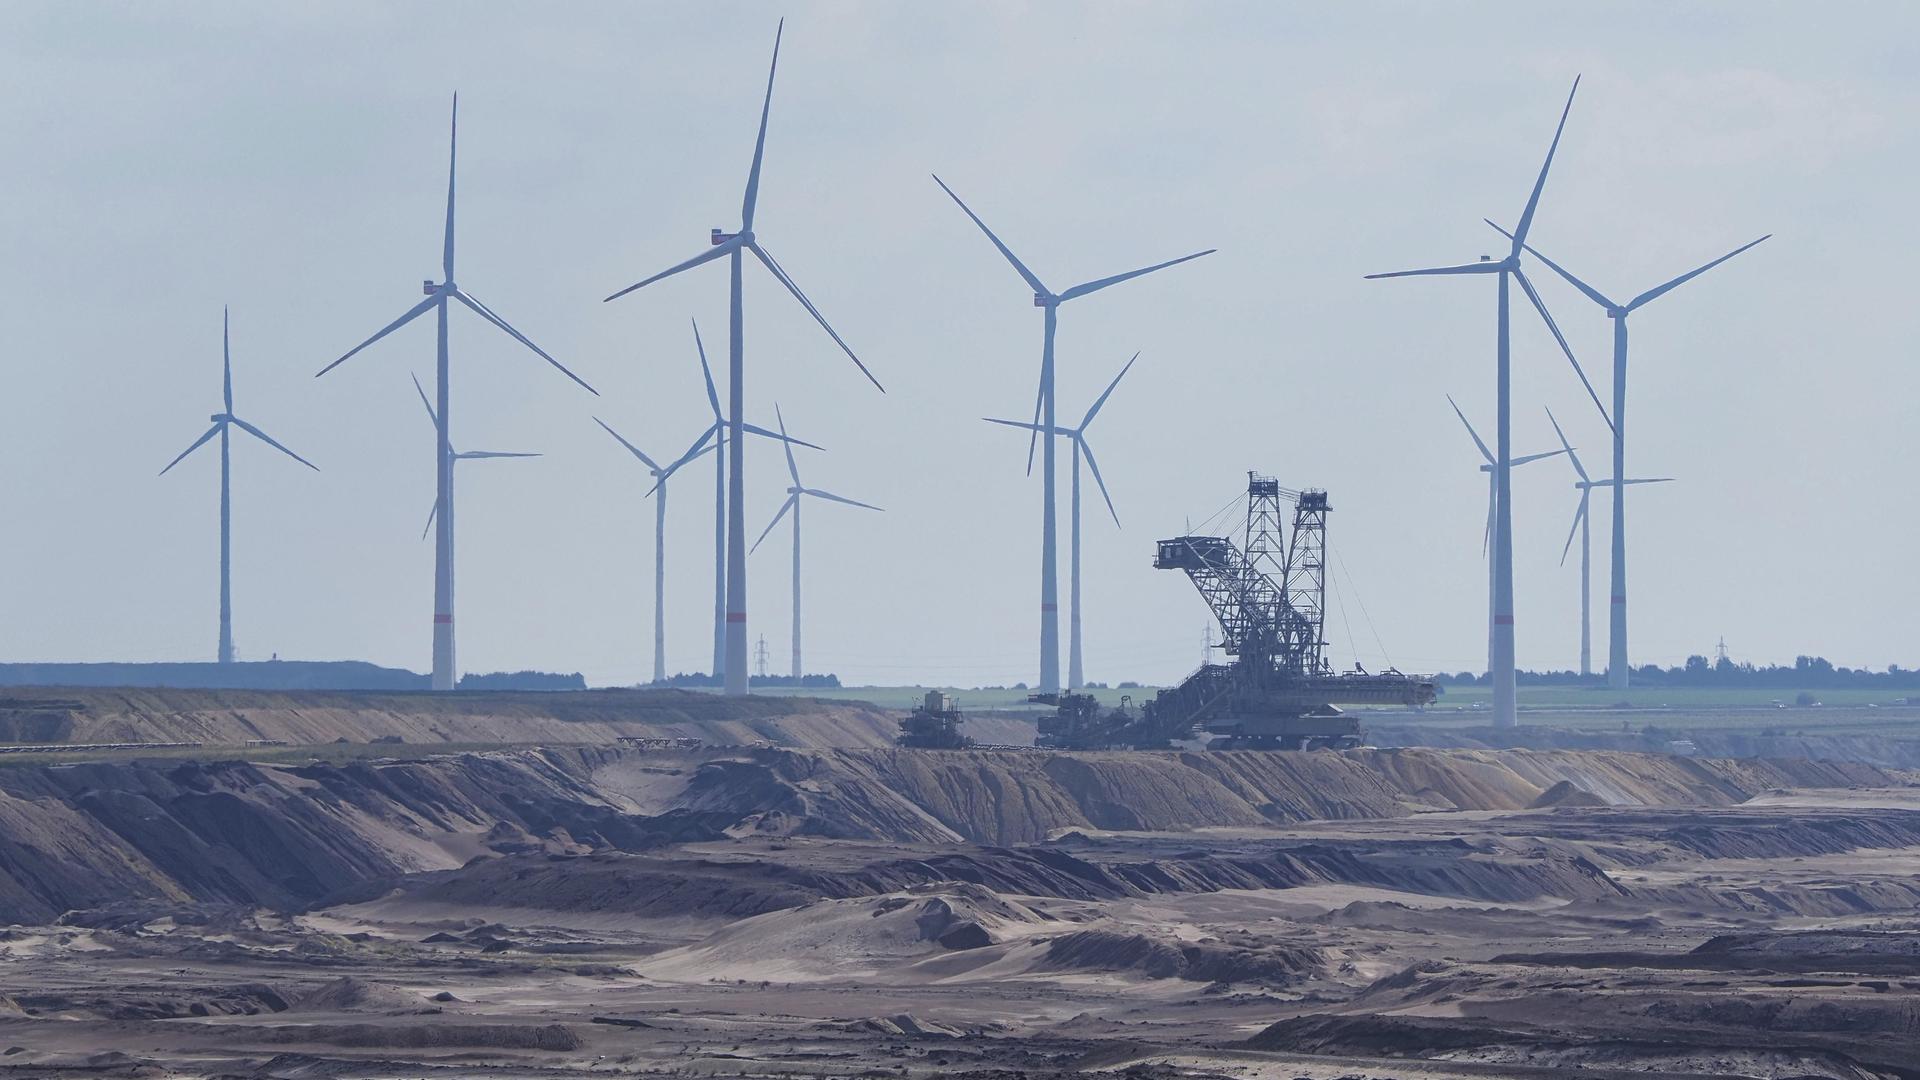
(1891, 751)
(92, 836)
(314, 717)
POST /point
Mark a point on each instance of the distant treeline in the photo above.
(1805, 673)
(270, 675)
(523, 680)
(245, 675)
(701, 678)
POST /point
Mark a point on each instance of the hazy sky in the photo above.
(290, 160)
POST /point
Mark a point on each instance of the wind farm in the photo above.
(1417, 810)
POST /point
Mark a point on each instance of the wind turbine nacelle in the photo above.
(1039, 300)
(716, 237)
(428, 287)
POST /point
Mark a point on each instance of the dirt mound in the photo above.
(840, 939)
(1565, 793)
(351, 994)
(1154, 958)
(901, 1024)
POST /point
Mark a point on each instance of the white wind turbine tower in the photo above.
(438, 297)
(717, 432)
(1043, 420)
(659, 491)
(733, 245)
(1490, 468)
(221, 422)
(1501, 669)
(793, 504)
(1617, 665)
(458, 455)
(1076, 673)
(1583, 525)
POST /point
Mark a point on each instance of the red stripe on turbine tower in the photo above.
(443, 618)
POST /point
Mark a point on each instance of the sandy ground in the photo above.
(1774, 938)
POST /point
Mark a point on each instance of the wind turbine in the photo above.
(221, 422)
(1582, 524)
(458, 455)
(1492, 470)
(1075, 672)
(717, 432)
(793, 503)
(1501, 667)
(732, 245)
(1043, 420)
(660, 476)
(1617, 666)
(438, 296)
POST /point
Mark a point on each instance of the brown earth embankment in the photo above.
(316, 717)
(76, 836)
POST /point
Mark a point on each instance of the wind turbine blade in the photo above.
(1593, 294)
(1459, 268)
(1104, 394)
(453, 147)
(1086, 451)
(1484, 452)
(1547, 317)
(702, 445)
(755, 429)
(268, 439)
(1025, 274)
(226, 363)
(713, 396)
(760, 142)
(1021, 424)
(1033, 441)
(831, 497)
(488, 314)
(632, 449)
(784, 507)
(471, 454)
(774, 266)
(1661, 290)
(413, 313)
(792, 469)
(1528, 459)
(1571, 456)
(1486, 539)
(432, 512)
(1575, 531)
(1096, 286)
(418, 389)
(1533, 200)
(706, 256)
(1652, 480)
(197, 444)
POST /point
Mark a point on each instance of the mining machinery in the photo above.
(934, 724)
(1278, 691)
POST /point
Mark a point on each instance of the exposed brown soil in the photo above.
(94, 715)
(584, 911)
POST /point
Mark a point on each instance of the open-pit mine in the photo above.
(667, 883)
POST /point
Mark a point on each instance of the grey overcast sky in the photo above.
(289, 160)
